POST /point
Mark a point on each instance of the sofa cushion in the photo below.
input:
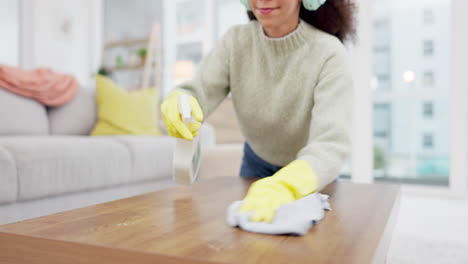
(77, 117)
(121, 112)
(152, 156)
(49, 166)
(8, 180)
(21, 116)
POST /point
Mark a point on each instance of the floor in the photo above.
(430, 230)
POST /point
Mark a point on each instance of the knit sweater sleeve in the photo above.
(210, 85)
(329, 139)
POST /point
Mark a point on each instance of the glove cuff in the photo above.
(299, 177)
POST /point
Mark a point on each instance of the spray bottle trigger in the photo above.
(185, 109)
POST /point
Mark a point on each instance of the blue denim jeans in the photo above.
(254, 166)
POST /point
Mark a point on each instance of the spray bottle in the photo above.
(187, 153)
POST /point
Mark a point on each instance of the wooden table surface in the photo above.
(189, 222)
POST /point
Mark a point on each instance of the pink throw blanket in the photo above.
(42, 84)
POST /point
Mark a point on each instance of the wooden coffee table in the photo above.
(187, 225)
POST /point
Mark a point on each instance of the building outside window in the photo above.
(428, 110)
(428, 141)
(428, 16)
(428, 79)
(428, 48)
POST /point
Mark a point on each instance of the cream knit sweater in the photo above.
(292, 95)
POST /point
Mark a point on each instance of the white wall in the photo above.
(9, 28)
(130, 20)
(361, 63)
(62, 35)
(229, 13)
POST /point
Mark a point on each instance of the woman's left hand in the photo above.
(292, 182)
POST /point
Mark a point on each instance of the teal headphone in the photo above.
(311, 5)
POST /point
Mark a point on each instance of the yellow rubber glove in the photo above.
(173, 120)
(292, 182)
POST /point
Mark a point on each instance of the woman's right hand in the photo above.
(173, 120)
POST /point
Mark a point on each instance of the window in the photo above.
(428, 16)
(127, 38)
(428, 109)
(428, 141)
(381, 134)
(190, 51)
(381, 23)
(382, 78)
(382, 120)
(428, 79)
(410, 136)
(381, 49)
(428, 48)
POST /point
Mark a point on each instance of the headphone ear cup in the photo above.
(313, 5)
(246, 4)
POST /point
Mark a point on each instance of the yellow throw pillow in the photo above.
(125, 113)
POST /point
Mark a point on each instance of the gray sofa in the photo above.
(48, 163)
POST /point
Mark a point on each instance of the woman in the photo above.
(292, 93)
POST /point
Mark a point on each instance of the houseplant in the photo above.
(142, 52)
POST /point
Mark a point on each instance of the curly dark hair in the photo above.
(335, 17)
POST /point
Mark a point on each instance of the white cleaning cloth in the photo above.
(292, 218)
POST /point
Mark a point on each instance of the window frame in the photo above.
(459, 99)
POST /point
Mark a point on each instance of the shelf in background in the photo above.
(126, 42)
(127, 68)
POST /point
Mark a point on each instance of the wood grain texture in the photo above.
(190, 222)
(19, 249)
